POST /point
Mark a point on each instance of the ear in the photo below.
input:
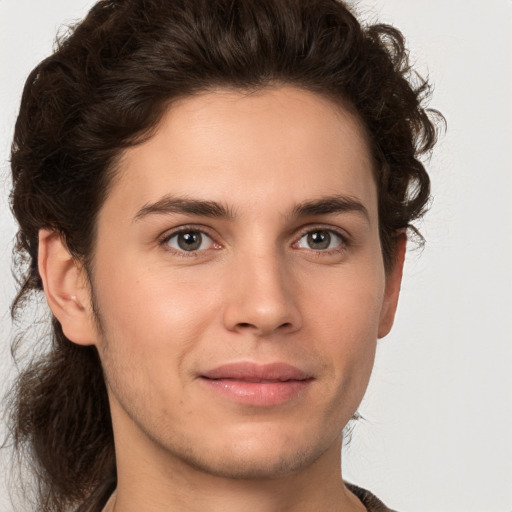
(392, 290)
(66, 288)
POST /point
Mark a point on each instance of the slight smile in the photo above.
(257, 385)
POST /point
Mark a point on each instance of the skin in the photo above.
(259, 289)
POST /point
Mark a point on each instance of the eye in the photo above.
(320, 240)
(189, 241)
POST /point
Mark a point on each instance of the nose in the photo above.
(261, 298)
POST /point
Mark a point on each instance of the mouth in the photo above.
(257, 385)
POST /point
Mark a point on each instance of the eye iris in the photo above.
(189, 241)
(319, 239)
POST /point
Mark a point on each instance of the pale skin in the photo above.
(278, 261)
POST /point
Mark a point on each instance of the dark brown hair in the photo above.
(104, 89)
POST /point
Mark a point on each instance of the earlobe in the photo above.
(65, 288)
(393, 283)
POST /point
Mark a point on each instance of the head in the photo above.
(141, 78)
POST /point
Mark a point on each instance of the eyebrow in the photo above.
(183, 205)
(329, 205)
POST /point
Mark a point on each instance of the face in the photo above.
(240, 285)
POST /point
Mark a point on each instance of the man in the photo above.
(214, 198)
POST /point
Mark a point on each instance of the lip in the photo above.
(262, 385)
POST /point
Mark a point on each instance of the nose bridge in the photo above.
(261, 298)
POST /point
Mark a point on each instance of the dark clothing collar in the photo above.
(371, 502)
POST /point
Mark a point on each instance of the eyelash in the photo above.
(345, 242)
(164, 240)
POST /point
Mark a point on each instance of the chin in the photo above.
(250, 454)
(242, 465)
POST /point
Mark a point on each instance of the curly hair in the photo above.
(105, 88)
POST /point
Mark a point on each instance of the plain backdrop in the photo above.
(437, 434)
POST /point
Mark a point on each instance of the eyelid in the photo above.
(341, 233)
(167, 235)
(311, 228)
(304, 230)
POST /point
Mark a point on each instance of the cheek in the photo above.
(348, 302)
(154, 302)
(151, 326)
(345, 319)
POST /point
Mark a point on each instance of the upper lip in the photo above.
(249, 371)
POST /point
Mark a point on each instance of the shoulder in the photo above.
(370, 501)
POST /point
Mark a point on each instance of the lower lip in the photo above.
(262, 394)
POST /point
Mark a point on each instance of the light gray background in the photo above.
(438, 429)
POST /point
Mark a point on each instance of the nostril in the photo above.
(245, 325)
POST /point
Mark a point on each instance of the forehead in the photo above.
(281, 145)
